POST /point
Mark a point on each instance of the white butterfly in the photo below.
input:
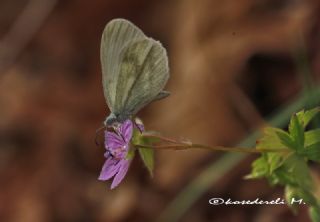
(134, 69)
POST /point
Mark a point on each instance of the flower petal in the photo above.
(121, 173)
(113, 141)
(109, 169)
(126, 130)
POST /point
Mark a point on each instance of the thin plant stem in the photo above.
(163, 138)
(180, 145)
(213, 148)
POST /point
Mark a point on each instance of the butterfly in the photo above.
(134, 70)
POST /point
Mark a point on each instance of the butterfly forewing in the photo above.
(116, 35)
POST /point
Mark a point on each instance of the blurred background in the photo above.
(233, 63)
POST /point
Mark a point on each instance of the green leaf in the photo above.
(312, 137)
(273, 179)
(270, 140)
(296, 131)
(275, 161)
(290, 169)
(295, 172)
(312, 152)
(306, 116)
(268, 162)
(286, 140)
(260, 168)
(147, 156)
(265, 165)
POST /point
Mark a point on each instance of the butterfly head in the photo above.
(114, 119)
(111, 120)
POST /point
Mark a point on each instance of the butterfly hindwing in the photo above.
(143, 74)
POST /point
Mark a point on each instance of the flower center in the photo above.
(119, 152)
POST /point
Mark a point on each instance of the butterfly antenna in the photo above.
(97, 134)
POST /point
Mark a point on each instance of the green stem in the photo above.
(160, 137)
(180, 145)
(213, 148)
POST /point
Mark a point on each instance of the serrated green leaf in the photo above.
(312, 137)
(147, 156)
(301, 116)
(260, 168)
(268, 162)
(296, 132)
(306, 116)
(275, 161)
(283, 177)
(312, 152)
(295, 172)
(291, 169)
(286, 140)
(265, 165)
(273, 179)
(270, 140)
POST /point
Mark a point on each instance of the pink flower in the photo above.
(117, 146)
